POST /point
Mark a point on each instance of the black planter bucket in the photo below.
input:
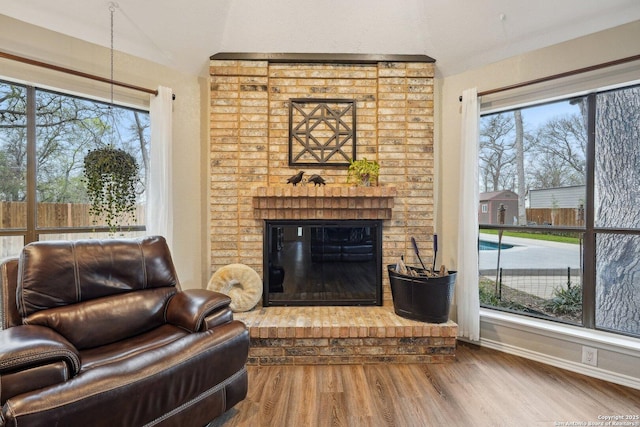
(421, 298)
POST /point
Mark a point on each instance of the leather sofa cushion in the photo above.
(34, 378)
(106, 320)
(326, 248)
(84, 270)
(179, 375)
(131, 347)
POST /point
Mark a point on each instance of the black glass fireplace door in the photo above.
(314, 262)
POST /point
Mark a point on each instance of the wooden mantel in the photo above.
(307, 202)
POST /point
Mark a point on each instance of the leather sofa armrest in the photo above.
(32, 357)
(191, 309)
(26, 346)
(27, 380)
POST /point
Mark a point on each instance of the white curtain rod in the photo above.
(560, 75)
(76, 73)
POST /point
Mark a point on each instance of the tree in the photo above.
(522, 189)
(560, 148)
(13, 158)
(617, 181)
(67, 128)
(141, 125)
(503, 144)
(496, 152)
(551, 172)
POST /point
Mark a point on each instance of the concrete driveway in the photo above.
(530, 254)
(536, 267)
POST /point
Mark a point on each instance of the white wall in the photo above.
(618, 358)
(189, 138)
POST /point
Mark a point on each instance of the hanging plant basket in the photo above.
(111, 175)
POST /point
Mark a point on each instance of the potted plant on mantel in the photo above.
(363, 172)
(111, 175)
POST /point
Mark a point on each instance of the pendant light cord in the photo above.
(112, 9)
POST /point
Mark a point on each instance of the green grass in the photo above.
(536, 236)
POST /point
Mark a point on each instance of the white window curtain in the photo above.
(159, 210)
(466, 289)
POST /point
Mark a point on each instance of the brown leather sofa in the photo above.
(99, 333)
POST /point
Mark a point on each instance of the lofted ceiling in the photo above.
(459, 34)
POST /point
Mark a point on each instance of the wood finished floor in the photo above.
(482, 387)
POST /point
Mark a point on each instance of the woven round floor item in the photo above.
(241, 283)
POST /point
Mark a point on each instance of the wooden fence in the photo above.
(568, 217)
(56, 215)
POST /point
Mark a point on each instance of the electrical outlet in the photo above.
(590, 356)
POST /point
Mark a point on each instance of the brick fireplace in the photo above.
(249, 149)
(249, 167)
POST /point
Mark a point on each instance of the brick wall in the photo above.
(249, 146)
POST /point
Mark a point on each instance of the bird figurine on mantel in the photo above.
(316, 179)
(295, 179)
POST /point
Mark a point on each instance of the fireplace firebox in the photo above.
(320, 262)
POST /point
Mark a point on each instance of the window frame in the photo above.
(590, 231)
(32, 231)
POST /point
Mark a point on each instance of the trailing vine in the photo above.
(111, 175)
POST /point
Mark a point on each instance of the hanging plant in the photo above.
(111, 175)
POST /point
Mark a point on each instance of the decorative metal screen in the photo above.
(322, 132)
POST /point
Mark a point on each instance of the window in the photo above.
(44, 137)
(571, 253)
(485, 208)
(616, 214)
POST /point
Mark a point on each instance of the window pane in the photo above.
(10, 246)
(13, 156)
(532, 165)
(617, 196)
(95, 235)
(617, 160)
(538, 274)
(618, 282)
(67, 129)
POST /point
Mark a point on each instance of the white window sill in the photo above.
(604, 340)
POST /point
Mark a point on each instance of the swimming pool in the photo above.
(485, 245)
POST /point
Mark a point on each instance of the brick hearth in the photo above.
(344, 335)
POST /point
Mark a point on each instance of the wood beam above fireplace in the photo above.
(320, 58)
(305, 202)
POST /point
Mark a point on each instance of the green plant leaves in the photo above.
(363, 172)
(566, 301)
(110, 175)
